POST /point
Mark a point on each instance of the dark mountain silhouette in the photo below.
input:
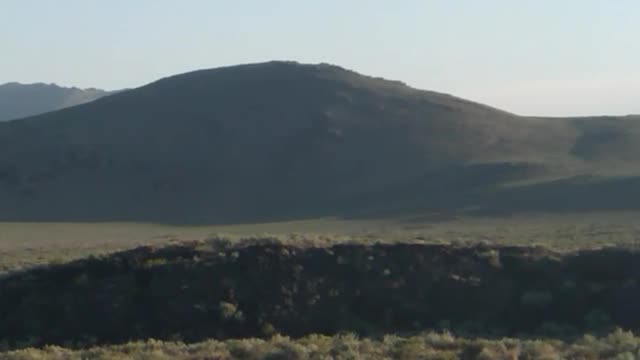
(22, 100)
(280, 140)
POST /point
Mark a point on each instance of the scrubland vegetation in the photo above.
(23, 245)
(518, 288)
(618, 345)
(258, 287)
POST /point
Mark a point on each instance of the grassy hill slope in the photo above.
(281, 140)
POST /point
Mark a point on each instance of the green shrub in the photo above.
(230, 312)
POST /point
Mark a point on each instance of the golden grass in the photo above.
(617, 345)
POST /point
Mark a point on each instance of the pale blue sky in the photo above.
(543, 57)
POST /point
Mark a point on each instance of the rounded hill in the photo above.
(269, 140)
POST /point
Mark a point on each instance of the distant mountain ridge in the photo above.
(22, 100)
(283, 140)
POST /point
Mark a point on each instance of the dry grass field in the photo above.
(28, 244)
(618, 345)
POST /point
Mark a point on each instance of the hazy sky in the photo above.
(543, 57)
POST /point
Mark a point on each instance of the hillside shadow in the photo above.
(216, 290)
(475, 190)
